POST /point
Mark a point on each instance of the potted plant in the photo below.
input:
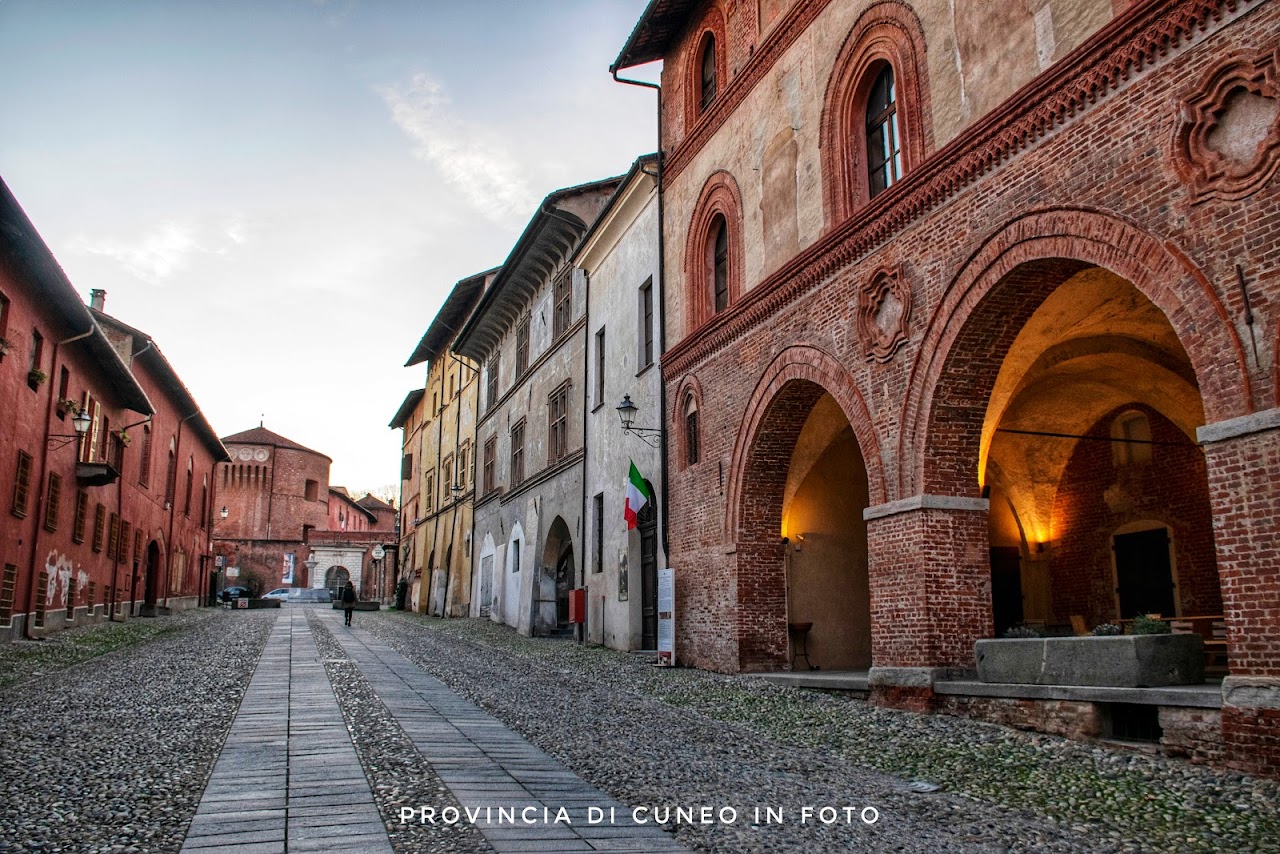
(68, 407)
(4, 346)
(36, 377)
(123, 436)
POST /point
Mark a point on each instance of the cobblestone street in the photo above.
(304, 735)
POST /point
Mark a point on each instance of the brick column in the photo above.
(1243, 456)
(930, 569)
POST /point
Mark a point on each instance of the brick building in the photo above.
(281, 513)
(113, 522)
(979, 330)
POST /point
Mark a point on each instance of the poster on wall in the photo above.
(667, 617)
(287, 576)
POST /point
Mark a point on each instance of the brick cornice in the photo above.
(1130, 44)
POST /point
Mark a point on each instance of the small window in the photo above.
(42, 593)
(884, 148)
(599, 385)
(446, 478)
(1131, 439)
(718, 246)
(646, 323)
(464, 473)
(558, 424)
(429, 499)
(598, 506)
(491, 384)
(191, 475)
(490, 462)
(515, 555)
(435, 403)
(522, 346)
(7, 585)
(451, 392)
(517, 454)
(406, 467)
(691, 443)
(563, 304)
(204, 501)
(171, 476)
(64, 391)
(4, 316)
(37, 359)
(52, 502)
(709, 82)
(22, 485)
(311, 490)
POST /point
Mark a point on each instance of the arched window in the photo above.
(691, 437)
(171, 475)
(1131, 438)
(718, 259)
(875, 117)
(708, 67)
(186, 502)
(713, 251)
(884, 147)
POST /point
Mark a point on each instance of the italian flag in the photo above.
(637, 496)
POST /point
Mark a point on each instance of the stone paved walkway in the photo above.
(288, 778)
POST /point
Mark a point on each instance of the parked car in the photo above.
(236, 593)
(281, 593)
(300, 596)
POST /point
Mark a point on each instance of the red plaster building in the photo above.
(972, 322)
(112, 521)
(285, 526)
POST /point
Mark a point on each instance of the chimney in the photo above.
(97, 299)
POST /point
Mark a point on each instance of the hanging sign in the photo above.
(378, 553)
(666, 617)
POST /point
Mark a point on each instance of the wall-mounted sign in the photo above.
(667, 617)
(233, 572)
(378, 553)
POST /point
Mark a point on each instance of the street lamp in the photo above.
(223, 512)
(81, 423)
(627, 410)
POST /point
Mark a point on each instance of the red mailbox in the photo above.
(578, 605)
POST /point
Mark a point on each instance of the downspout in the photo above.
(435, 511)
(173, 507)
(41, 483)
(581, 629)
(662, 303)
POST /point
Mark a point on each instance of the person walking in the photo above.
(348, 602)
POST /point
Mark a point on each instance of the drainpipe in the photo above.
(435, 511)
(662, 302)
(581, 629)
(41, 483)
(457, 439)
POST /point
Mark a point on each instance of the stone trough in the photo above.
(1125, 661)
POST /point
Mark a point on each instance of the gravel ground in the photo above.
(397, 772)
(113, 754)
(686, 737)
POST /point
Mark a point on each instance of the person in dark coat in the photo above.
(348, 602)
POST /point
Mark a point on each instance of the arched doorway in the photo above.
(151, 576)
(1068, 400)
(801, 536)
(336, 578)
(555, 579)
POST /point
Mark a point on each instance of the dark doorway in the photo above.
(647, 522)
(1144, 578)
(152, 576)
(564, 583)
(1006, 587)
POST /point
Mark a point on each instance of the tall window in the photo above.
(464, 475)
(598, 507)
(99, 526)
(22, 485)
(191, 473)
(884, 148)
(646, 323)
(564, 303)
(517, 454)
(491, 384)
(446, 478)
(64, 388)
(52, 502)
(599, 386)
(204, 501)
(709, 82)
(691, 449)
(429, 499)
(82, 510)
(144, 464)
(490, 463)
(558, 424)
(171, 475)
(719, 258)
(4, 315)
(37, 356)
(522, 346)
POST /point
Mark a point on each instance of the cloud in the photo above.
(168, 248)
(470, 158)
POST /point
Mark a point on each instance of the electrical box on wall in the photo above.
(578, 605)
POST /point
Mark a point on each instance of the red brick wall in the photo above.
(1095, 498)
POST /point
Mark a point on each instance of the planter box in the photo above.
(1126, 661)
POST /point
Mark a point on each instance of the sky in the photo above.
(282, 192)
